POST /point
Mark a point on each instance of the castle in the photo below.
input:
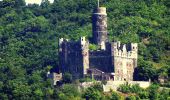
(111, 61)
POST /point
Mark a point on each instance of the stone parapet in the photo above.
(100, 10)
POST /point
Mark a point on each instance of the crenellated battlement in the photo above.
(125, 50)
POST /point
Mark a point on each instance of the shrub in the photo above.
(131, 97)
(86, 79)
(92, 94)
(153, 92)
(127, 88)
(67, 91)
(143, 95)
(135, 88)
(93, 47)
(67, 78)
(115, 96)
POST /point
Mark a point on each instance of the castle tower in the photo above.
(134, 49)
(99, 25)
(85, 54)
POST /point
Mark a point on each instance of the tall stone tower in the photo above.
(99, 24)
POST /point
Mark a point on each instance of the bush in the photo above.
(135, 88)
(92, 94)
(67, 78)
(131, 97)
(127, 88)
(93, 47)
(98, 86)
(143, 95)
(164, 94)
(86, 79)
(153, 91)
(115, 96)
(67, 91)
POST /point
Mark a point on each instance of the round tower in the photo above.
(99, 24)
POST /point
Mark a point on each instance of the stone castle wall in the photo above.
(70, 58)
(85, 54)
(114, 85)
(124, 60)
(101, 59)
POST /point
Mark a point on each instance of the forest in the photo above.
(29, 46)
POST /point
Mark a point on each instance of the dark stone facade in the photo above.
(71, 58)
(99, 75)
(101, 59)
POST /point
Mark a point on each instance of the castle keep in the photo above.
(112, 61)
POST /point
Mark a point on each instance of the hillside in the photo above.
(29, 39)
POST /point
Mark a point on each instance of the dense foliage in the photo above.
(127, 88)
(137, 93)
(29, 41)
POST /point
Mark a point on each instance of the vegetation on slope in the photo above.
(29, 39)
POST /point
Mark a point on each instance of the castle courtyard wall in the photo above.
(114, 85)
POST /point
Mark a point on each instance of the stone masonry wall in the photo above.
(101, 60)
(71, 59)
(124, 60)
(99, 23)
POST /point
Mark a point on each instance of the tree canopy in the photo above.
(29, 40)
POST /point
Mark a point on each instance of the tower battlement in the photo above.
(100, 10)
(125, 50)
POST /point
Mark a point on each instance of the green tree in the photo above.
(92, 94)
(29, 33)
(68, 91)
(145, 71)
(153, 92)
(164, 94)
(67, 78)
